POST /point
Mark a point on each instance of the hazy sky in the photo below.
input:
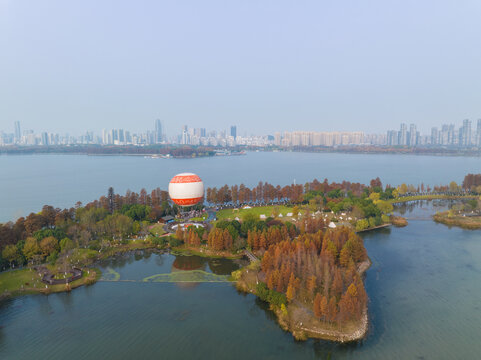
(70, 66)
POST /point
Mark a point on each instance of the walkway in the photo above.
(48, 277)
(250, 256)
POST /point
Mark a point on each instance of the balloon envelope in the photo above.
(186, 189)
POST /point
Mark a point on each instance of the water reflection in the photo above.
(424, 209)
(188, 263)
(67, 300)
(215, 266)
(127, 258)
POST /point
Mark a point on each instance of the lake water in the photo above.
(424, 290)
(27, 182)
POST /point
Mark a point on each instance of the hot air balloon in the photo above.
(186, 189)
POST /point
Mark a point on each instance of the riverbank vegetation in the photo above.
(181, 151)
(466, 215)
(465, 222)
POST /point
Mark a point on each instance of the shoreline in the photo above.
(352, 332)
(299, 331)
(89, 277)
(92, 274)
(361, 150)
(463, 222)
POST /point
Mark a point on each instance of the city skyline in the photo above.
(319, 66)
(172, 127)
(464, 136)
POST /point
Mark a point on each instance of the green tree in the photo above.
(48, 245)
(10, 253)
(402, 189)
(66, 244)
(362, 224)
(453, 187)
(385, 206)
(31, 248)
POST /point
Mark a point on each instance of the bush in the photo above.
(56, 233)
(262, 291)
(271, 296)
(372, 222)
(174, 242)
(94, 245)
(158, 241)
(52, 258)
(362, 224)
(277, 298)
(473, 203)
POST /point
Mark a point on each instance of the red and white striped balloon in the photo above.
(186, 189)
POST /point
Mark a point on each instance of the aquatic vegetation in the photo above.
(110, 274)
(187, 276)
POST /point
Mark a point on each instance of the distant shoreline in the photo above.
(187, 151)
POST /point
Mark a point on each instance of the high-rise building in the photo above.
(392, 138)
(185, 135)
(233, 131)
(412, 135)
(478, 133)
(18, 134)
(403, 139)
(121, 137)
(105, 137)
(277, 138)
(465, 133)
(434, 136)
(44, 138)
(452, 135)
(444, 135)
(158, 132)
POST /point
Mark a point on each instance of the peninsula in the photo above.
(306, 258)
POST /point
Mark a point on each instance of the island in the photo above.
(465, 215)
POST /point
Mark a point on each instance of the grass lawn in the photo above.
(12, 281)
(258, 211)
(202, 218)
(80, 257)
(157, 229)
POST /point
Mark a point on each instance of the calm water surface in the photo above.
(27, 182)
(424, 289)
